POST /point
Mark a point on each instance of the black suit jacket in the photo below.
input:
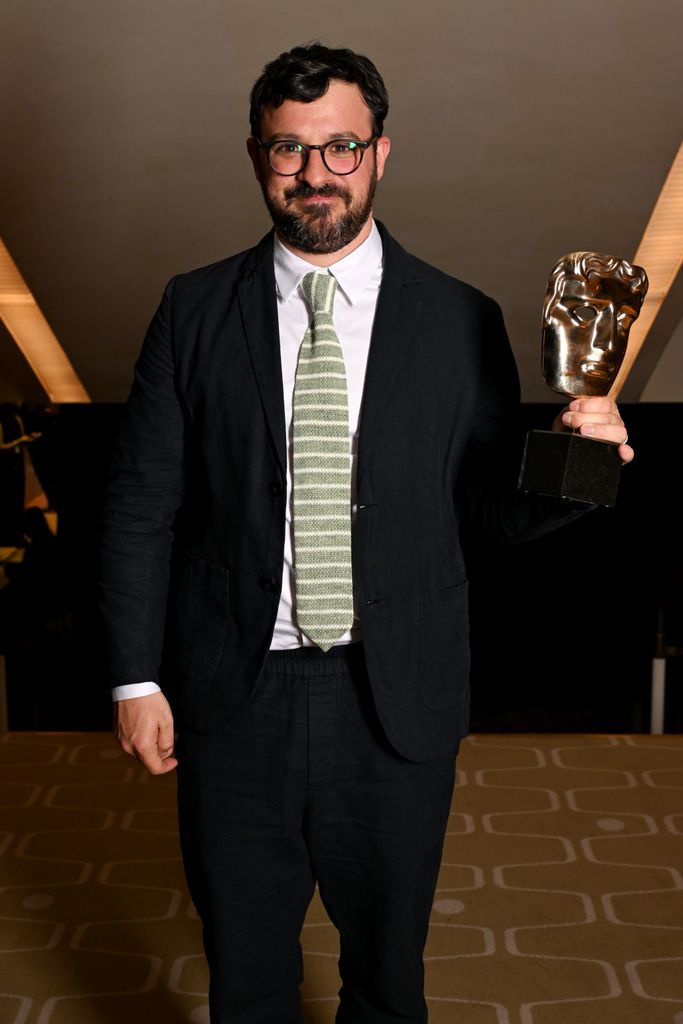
(193, 530)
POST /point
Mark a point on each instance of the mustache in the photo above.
(303, 190)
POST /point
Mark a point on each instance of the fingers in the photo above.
(144, 728)
(598, 418)
(149, 755)
(154, 759)
(165, 743)
(626, 453)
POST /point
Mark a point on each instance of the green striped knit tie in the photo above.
(321, 479)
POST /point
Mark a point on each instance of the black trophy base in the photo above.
(571, 466)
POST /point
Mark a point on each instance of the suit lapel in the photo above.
(258, 308)
(398, 310)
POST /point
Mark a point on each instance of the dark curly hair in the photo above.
(304, 73)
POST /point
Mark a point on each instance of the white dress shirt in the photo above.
(358, 276)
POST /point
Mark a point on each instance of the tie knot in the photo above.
(319, 290)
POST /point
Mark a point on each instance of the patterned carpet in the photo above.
(560, 899)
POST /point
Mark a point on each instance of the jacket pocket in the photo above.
(444, 663)
(199, 616)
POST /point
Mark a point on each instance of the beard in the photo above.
(317, 229)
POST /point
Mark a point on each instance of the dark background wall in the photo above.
(563, 628)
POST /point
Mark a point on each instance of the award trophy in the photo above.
(591, 302)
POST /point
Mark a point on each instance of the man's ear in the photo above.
(382, 149)
(254, 151)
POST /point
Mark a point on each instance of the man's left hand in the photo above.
(599, 418)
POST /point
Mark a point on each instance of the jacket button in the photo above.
(275, 488)
(269, 584)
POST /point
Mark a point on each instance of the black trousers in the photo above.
(305, 788)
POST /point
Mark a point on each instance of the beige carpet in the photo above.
(560, 899)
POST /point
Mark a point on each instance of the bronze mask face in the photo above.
(591, 302)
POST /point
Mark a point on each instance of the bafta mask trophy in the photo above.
(591, 302)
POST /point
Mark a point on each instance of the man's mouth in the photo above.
(317, 199)
(314, 196)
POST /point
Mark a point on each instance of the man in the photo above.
(315, 744)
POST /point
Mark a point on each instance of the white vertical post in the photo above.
(657, 694)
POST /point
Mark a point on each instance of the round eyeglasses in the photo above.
(340, 156)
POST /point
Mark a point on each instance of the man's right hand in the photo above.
(144, 728)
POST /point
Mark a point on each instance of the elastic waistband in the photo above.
(313, 661)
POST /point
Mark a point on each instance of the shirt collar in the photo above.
(353, 272)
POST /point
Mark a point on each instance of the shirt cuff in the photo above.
(134, 690)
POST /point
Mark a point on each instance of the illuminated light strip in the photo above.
(661, 254)
(24, 320)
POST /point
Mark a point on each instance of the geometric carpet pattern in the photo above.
(560, 898)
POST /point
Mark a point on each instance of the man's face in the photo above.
(317, 211)
(585, 333)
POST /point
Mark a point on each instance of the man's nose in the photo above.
(315, 173)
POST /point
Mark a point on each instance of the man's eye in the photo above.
(342, 147)
(287, 148)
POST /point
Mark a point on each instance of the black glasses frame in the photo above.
(267, 146)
